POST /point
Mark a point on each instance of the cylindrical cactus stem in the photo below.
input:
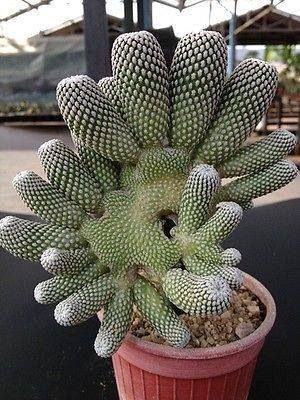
(60, 262)
(245, 98)
(159, 314)
(141, 74)
(230, 257)
(84, 303)
(233, 276)
(226, 218)
(58, 288)
(46, 201)
(248, 187)
(104, 171)
(108, 86)
(208, 268)
(28, 239)
(93, 120)
(257, 156)
(197, 77)
(65, 172)
(203, 254)
(248, 205)
(159, 163)
(200, 266)
(127, 176)
(115, 324)
(204, 296)
(201, 185)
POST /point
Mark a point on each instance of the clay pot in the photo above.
(150, 371)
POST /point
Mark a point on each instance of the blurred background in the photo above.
(43, 41)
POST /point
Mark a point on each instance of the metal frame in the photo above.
(144, 11)
(180, 5)
(250, 22)
(26, 9)
(128, 16)
(232, 30)
(96, 33)
(96, 39)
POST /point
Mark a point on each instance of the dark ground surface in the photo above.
(41, 360)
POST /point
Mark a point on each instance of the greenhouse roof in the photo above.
(21, 19)
(266, 25)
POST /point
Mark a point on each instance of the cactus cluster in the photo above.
(137, 215)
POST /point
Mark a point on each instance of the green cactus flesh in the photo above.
(137, 214)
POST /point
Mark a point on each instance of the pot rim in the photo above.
(255, 337)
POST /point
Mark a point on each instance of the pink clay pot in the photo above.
(150, 371)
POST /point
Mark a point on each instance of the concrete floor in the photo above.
(18, 152)
(18, 147)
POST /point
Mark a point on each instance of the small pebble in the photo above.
(226, 315)
(244, 329)
(210, 340)
(253, 309)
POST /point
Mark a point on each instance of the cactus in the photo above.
(137, 215)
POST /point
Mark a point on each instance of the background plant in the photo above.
(289, 77)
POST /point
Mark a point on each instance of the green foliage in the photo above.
(150, 154)
(284, 53)
(289, 76)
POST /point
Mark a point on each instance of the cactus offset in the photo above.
(138, 215)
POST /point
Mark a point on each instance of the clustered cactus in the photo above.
(137, 216)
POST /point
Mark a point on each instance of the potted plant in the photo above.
(135, 219)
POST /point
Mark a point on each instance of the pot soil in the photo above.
(150, 371)
(243, 317)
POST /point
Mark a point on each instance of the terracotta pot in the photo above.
(149, 371)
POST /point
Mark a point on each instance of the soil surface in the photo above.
(245, 314)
